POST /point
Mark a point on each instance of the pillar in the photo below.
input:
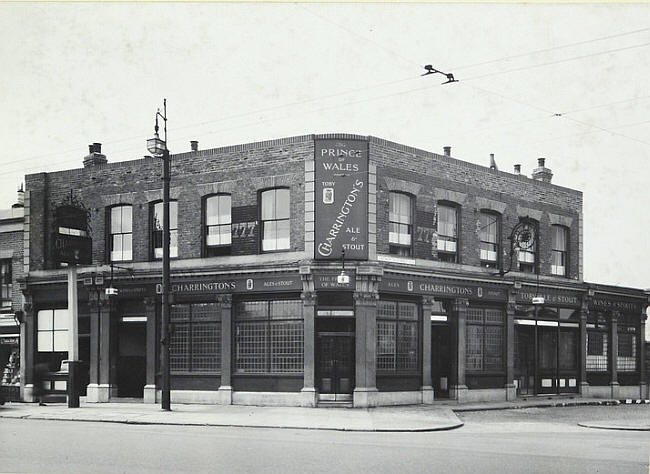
(459, 388)
(106, 388)
(427, 385)
(613, 354)
(27, 352)
(151, 350)
(308, 393)
(225, 387)
(643, 374)
(582, 376)
(511, 390)
(365, 390)
(99, 388)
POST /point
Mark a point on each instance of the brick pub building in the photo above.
(435, 307)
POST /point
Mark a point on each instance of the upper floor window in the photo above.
(157, 229)
(400, 224)
(6, 283)
(559, 244)
(527, 253)
(276, 213)
(447, 233)
(218, 225)
(489, 239)
(121, 233)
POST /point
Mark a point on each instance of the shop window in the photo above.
(397, 336)
(527, 255)
(559, 254)
(6, 284)
(121, 233)
(400, 224)
(447, 230)
(195, 341)
(218, 225)
(627, 350)
(52, 330)
(157, 229)
(485, 340)
(489, 239)
(269, 337)
(275, 217)
(597, 342)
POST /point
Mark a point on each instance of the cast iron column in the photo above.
(613, 354)
(151, 349)
(460, 316)
(584, 314)
(643, 382)
(427, 385)
(225, 387)
(511, 391)
(309, 339)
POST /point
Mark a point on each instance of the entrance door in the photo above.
(335, 370)
(440, 359)
(525, 359)
(131, 360)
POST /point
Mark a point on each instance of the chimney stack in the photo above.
(517, 169)
(447, 150)
(542, 173)
(493, 164)
(20, 201)
(94, 156)
(194, 145)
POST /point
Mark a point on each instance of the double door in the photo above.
(335, 368)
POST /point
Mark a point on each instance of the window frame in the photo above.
(225, 249)
(563, 253)
(260, 201)
(110, 234)
(497, 216)
(444, 255)
(395, 247)
(52, 330)
(152, 230)
(191, 323)
(6, 283)
(534, 252)
(417, 323)
(483, 324)
(266, 322)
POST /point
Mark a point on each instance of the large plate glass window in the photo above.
(400, 224)
(218, 225)
(276, 214)
(195, 342)
(485, 339)
(397, 336)
(626, 360)
(121, 236)
(269, 337)
(52, 330)
(157, 229)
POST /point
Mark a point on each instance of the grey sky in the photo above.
(235, 73)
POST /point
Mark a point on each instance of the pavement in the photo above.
(413, 418)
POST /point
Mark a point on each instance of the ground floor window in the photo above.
(195, 342)
(52, 327)
(397, 336)
(269, 337)
(485, 339)
(627, 336)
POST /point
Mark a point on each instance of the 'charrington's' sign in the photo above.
(341, 199)
(238, 284)
(451, 289)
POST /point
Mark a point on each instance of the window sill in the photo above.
(268, 374)
(191, 373)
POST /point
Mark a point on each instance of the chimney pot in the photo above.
(95, 156)
(493, 164)
(194, 145)
(541, 161)
(517, 169)
(542, 173)
(447, 150)
(91, 148)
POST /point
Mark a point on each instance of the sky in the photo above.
(566, 82)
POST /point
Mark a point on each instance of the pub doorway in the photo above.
(131, 359)
(335, 358)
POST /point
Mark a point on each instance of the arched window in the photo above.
(157, 229)
(560, 246)
(489, 232)
(400, 224)
(275, 218)
(447, 232)
(121, 233)
(218, 225)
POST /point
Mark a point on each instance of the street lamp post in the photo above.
(158, 147)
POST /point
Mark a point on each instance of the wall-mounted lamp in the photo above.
(343, 278)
